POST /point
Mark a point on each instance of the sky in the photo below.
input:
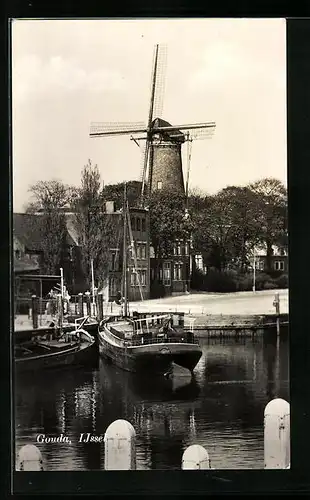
(69, 73)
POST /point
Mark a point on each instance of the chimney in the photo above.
(109, 207)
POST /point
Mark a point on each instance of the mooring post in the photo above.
(30, 458)
(276, 304)
(35, 307)
(120, 446)
(60, 310)
(88, 304)
(99, 306)
(195, 457)
(80, 302)
(277, 434)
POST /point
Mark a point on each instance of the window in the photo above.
(178, 272)
(159, 185)
(186, 248)
(133, 279)
(261, 265)
(113, 261)
(133, 223)
(138, 224)
(174, 249)
(179, 251)
(279, 265)
(167, 274)
(17, 254)
(142, 251)
(112, 286)
(143, 225)
(143, 277)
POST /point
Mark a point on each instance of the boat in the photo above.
(90, 324)
(72, 323)
(75, 347)
(137, 345)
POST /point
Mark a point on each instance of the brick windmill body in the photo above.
(162, 170)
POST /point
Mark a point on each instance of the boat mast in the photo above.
(125, 250)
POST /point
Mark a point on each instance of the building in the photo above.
(278, 260)
(171, 274)
(28, 250)
(138, 256)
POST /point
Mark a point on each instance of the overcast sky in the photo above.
(66, 74)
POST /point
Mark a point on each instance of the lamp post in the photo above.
(254, 269)
(93, 287)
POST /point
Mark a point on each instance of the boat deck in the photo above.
(55, 344)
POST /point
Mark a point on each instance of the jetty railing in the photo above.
(120, 445)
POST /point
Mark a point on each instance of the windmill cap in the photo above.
(170, 134)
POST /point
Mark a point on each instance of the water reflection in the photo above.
(221, 408)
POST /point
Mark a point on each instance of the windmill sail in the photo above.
(160, 81)
(98, 129)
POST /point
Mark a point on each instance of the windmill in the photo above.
(161, 158)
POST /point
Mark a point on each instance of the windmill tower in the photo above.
(161, 158)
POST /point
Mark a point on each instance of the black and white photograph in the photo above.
(150, 244)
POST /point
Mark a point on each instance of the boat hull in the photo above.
(155, 359)
(83, 355)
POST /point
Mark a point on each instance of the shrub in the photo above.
(157, 290)
(269, 285)
(282, 281)
(197, 281)
(261, 279)
(216, 281)
(245, 282)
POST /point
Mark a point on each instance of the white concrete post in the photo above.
(195, 457)
(277, 434)
(120, 446)
(30, 458)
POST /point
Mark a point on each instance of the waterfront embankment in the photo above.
(214, 312)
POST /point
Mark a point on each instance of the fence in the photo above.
(120, 445)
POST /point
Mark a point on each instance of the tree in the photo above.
(271, 203)
(95, 228)
(115, 192)
(241, 207)
(167, 221)
(49, 198)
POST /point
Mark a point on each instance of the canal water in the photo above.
(222, 409)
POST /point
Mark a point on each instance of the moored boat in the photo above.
(135, 347)
(73, 348)
(136, 344)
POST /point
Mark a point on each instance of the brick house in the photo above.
(138, 260)
(28, 250)
(174, 271)
(278, 260)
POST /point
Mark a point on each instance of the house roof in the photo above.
(28, 229)
(25, 266)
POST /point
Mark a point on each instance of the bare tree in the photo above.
(49, 198)
(97, 230)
